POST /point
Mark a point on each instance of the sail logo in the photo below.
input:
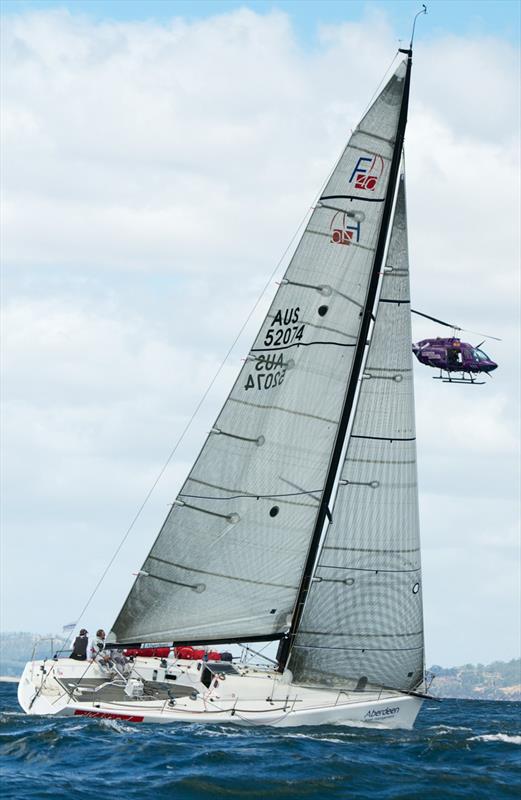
(341, 232)
(367, 172)
(382, 712)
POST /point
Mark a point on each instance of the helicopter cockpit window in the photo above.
(480, 355)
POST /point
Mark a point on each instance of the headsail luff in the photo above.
(228, 560)
(363, 620)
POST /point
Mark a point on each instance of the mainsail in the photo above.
(362, 622)
(228, 562)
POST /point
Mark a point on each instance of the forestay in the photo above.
(229, 558)
(362, 623)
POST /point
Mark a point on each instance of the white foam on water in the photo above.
(336, 741)
(317, 738)
(497, 737)
(448, 728)
(117, 725)
(220, 732)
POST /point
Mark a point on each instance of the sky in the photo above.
(157, 159)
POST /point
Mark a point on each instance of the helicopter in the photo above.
(455, 359)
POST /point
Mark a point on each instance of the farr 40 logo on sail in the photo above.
(367, 172)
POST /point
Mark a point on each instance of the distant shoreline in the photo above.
(10, 679)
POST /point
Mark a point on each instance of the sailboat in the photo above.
(298, 522)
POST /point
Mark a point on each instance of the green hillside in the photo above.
(500, 680)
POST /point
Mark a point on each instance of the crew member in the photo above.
(97, 648)
(103, 655)
(79, 649)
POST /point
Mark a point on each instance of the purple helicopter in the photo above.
(451, 355)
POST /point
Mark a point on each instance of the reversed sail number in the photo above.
(265, 380)
(269, 372)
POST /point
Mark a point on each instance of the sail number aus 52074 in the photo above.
(283, 336)
(284, 328)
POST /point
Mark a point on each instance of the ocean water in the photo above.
(458, 749)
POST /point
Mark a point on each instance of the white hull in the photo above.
(249, 696)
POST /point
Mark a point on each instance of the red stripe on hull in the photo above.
(105, 715)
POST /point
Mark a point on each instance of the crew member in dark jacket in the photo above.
(79, 650)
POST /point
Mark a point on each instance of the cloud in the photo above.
(153, 175)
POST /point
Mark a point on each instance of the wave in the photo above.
(497, 737)
(449, 728)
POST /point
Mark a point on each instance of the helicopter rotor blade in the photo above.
(454, 327)
(496, 339)
(434, 319)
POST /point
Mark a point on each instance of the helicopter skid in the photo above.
(443, 379)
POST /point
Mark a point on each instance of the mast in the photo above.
(348, 407)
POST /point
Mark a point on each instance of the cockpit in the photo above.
(216, 669)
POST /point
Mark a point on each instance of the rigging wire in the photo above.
(247, 649)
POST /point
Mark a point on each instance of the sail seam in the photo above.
(240, 493)
(360, 649)
(285, 410)
(389, 485)
(352, 197)
(389, 369)
(397, 302)
(390, 142)
(220, 575)
(382, 460)
(384, 438)
(300, 344)
(371, 549)
(376, 570)
(366, 635)
(248, 496)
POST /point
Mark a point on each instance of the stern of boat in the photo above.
(38, 692)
